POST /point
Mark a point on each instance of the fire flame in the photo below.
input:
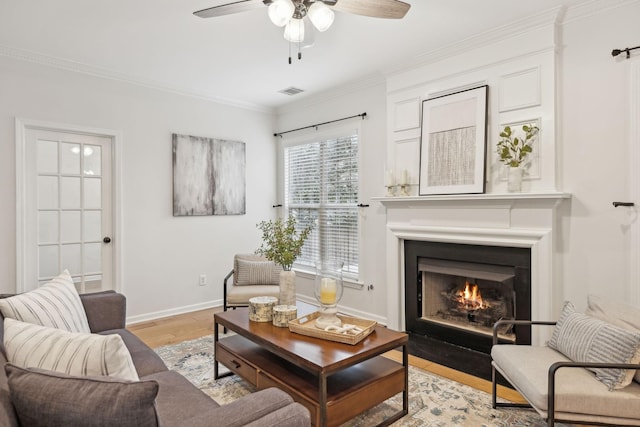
(470, 297)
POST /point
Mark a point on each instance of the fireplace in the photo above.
(454, 293)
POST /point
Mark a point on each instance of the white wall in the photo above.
(595, 165)
(163, 255)
(368, 96)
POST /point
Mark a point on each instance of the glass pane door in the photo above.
(72, 209)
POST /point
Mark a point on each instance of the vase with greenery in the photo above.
(282, 244)
(514, 151)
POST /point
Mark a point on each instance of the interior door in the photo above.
(68, 205)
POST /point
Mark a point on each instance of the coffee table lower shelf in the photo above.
(350, 391)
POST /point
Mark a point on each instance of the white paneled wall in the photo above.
(521, 80)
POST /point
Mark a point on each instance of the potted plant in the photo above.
(513, 151)
(282, 244)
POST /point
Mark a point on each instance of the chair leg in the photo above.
(224, 308)
(494, 387)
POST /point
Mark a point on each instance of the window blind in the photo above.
(321, 188)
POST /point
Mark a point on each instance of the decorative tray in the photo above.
(306, 326)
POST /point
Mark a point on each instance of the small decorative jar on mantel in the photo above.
(514, 180)
(513, 150)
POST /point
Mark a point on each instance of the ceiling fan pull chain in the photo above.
(289, 53)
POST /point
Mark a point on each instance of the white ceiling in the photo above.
(240, 58)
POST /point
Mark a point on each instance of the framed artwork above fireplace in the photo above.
(453, 143)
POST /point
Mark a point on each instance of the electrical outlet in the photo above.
(203, 279)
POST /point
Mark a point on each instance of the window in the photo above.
(321, 187)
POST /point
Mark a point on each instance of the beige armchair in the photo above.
(585, 373)
(253, 276)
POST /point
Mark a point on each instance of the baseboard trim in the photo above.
(132, 320)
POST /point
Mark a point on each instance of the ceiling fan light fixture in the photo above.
(321, 16)
(281, 11)
(294, 30)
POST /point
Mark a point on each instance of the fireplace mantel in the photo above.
(494, 219)
(553, 197)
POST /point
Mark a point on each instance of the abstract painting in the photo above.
(208, 176)
(453, 144)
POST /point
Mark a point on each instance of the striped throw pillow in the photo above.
(55, 304)
(34, 346)
(257, 273)
(584, 338)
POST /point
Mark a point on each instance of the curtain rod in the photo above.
(363, 115)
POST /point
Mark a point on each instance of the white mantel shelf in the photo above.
(412, 200)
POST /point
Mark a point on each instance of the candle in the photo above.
(328, 291)
(404, 177)
(389, 181)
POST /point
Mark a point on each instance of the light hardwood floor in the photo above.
(183, 327)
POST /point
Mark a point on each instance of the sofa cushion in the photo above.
(579, 392)
(584, 338)
(8, 417)
(144, 359)
(45, 398)
(621, 315)
(267, 407)
(240, 295)
(35, 346)
(178, 400)
(257, 273)
(55, 304)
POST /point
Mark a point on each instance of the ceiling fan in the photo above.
(292, 14)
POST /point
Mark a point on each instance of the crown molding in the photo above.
(78, 67)
(555, 16)
(594, 7)
(549, 17)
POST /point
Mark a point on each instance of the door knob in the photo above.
(107, 239)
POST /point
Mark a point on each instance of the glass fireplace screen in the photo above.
(467, 296)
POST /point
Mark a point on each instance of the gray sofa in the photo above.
(178, 402)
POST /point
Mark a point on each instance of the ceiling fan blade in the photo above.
(390, 9)
(229, 8)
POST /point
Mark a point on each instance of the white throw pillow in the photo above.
(78, 354)
(55, 304)
(621, 315)
(584, 338)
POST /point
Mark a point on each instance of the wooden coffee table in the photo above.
(335, 381)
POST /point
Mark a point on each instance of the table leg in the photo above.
(405, 394)
(215, 353)
(322, 378)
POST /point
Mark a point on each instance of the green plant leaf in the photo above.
(281, 243)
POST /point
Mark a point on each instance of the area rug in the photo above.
(434, 401)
